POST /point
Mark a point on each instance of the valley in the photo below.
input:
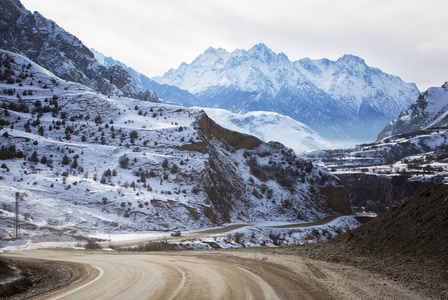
(243, 174)
(86, 164)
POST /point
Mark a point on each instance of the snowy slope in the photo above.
(43, 41)
(429, 111)
(90, 164)
(343, 100)
(270, 126)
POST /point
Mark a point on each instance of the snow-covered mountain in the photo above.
(271, 126)
(429, 111)
(343, 100)
(91, 163)
(267, 126)
(169, 94)
(44, 42)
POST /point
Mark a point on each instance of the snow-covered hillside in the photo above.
(46, 43)
(270, 126)
(89, 163)
(341, 100)
(384, 173)
(429, 111)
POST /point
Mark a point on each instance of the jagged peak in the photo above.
(261, 48)
(17, 4)
(215, 50)
(351, 58)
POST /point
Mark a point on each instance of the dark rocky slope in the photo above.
(408, 244)
(417, 227)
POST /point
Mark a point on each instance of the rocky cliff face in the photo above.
(378, 193)
(44, 42)
(429, 111)
(230, 188)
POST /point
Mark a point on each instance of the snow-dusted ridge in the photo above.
(43, 41)
(430, 110)
(271, 126)
(91, 164)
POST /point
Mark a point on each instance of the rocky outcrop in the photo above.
(230, 191)
(337, 199)
(235, 139)
(47, 44)
(380, 192)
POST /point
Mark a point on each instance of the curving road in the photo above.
(242, 274)
(215, 231)
(234, 274)
(182, 276)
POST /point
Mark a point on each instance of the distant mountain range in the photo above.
(267, 126)
(167, 93)
(345, 101)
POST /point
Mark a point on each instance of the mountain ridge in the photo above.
(429, 111)
(43, 41)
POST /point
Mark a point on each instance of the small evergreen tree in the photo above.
(65, 160)
(124, 161)
(133, 134)
(75, 164)
(34, 157)
(165, 163)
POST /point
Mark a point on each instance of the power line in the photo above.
(19, 197)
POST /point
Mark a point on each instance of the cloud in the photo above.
(405, 38)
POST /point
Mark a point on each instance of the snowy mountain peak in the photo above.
(429, 111)
(261, 50)
(209, 57)
(351, 59)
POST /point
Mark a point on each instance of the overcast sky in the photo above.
(404, 38)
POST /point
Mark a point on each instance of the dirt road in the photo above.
(218, 275)
(215, 231)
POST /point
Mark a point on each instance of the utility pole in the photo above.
(19, 197)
